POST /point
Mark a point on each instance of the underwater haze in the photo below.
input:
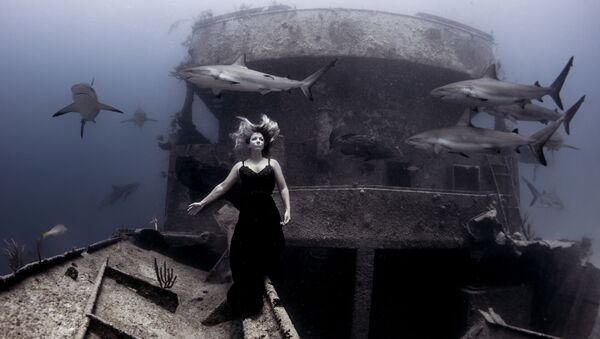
(49, 175)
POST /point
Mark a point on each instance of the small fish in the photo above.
(56, 230)
(413, 168)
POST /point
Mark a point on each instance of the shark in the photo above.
(238, 77)
(490, 91)
(531, 112)
(120, 192)
(139, 118)
(465, 138)
(546, 199)
(85, 102)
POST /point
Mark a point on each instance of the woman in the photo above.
(257, 241)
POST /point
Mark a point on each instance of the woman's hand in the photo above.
(195, 207)
(286, 218)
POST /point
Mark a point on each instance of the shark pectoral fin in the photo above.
(264, 91)
(477, 98)
(108, 108)
(540, 100)
(437, 148)
(465, 155)
(66, 109)
(82, 126)
(227, 78)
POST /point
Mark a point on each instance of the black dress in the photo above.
(257, 242)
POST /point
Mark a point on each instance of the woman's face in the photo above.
(257, 141)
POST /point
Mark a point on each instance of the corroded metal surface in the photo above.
(382, 217)
(347, 32)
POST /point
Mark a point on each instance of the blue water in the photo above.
(48, 175)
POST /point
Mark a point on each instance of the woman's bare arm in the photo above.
(218, 191)
(283, 190)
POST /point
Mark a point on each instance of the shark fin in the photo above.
(558, 83)
(570, 146)
(461, 154)
(66, 109)
(515, 131)
(264, 91)
(108, 108)
(537, 84)
(465, 118)
(490, 72)
(571, 113)
(82, 126)
(241, 61)
(437, 148)
(542, 136)
(310, 80)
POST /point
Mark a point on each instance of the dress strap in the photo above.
(269, 161)
(243, 163)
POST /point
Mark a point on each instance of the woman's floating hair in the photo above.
(267, 127)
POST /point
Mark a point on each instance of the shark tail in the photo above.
(571, 113)
(534, 192)
(558, 83)
(540, 138)
(311, 79)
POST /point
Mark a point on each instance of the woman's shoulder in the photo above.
(237, 165)
(274, 162)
